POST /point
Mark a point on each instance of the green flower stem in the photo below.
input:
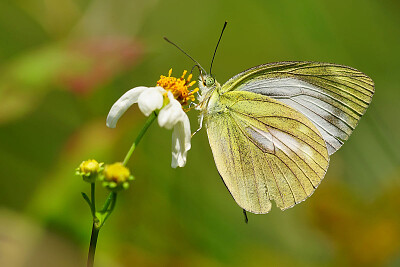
(92, 197)
(93, 243)
(110, 209)
(98, 221)
(107, 203)
(149, 121)
(95, 229)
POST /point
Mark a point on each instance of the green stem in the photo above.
(92, 246)
(107, 203)
(111, 208)
(92, 197)
(139, 137)
(95, 229)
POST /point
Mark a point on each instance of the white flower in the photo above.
(170, 116)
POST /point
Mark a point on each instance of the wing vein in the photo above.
(284, 177)
(267, 125)
(339, 89)
(319, 92)
(254, 173)
(231, 152)
(321, 117)
(323, 128)
(331, 113)
(273, 174)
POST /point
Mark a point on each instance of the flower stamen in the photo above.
(179, 87)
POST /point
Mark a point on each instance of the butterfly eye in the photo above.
(210, 81)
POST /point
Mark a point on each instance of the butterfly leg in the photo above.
(246, 220)
(191, 105)
(201, 125)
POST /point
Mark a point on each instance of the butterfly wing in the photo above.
(264, 150)
(333, 97)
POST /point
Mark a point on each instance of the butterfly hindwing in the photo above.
(265, 150)
(333, 97)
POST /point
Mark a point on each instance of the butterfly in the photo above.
(272, 128)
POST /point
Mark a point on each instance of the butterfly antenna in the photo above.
(200, 70)
(197, 63)
(219, 40)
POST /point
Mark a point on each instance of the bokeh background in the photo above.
(64, 63)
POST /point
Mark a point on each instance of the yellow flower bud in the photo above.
(116, 176)
(89, 170)
(89, 166)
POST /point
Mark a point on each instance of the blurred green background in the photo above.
(64, 63)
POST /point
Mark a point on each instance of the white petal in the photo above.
(171, 113)
(150, 100)
(181, 136)
(122, 104)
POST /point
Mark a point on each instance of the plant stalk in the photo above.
(92, 246)
(95, 230)
(149, 121)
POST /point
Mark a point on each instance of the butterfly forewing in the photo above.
(265, 150)
(333, 97)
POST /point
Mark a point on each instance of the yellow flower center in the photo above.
(116, 172)
(179, 87)
(89, 166)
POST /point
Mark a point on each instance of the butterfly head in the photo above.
(207, 83)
